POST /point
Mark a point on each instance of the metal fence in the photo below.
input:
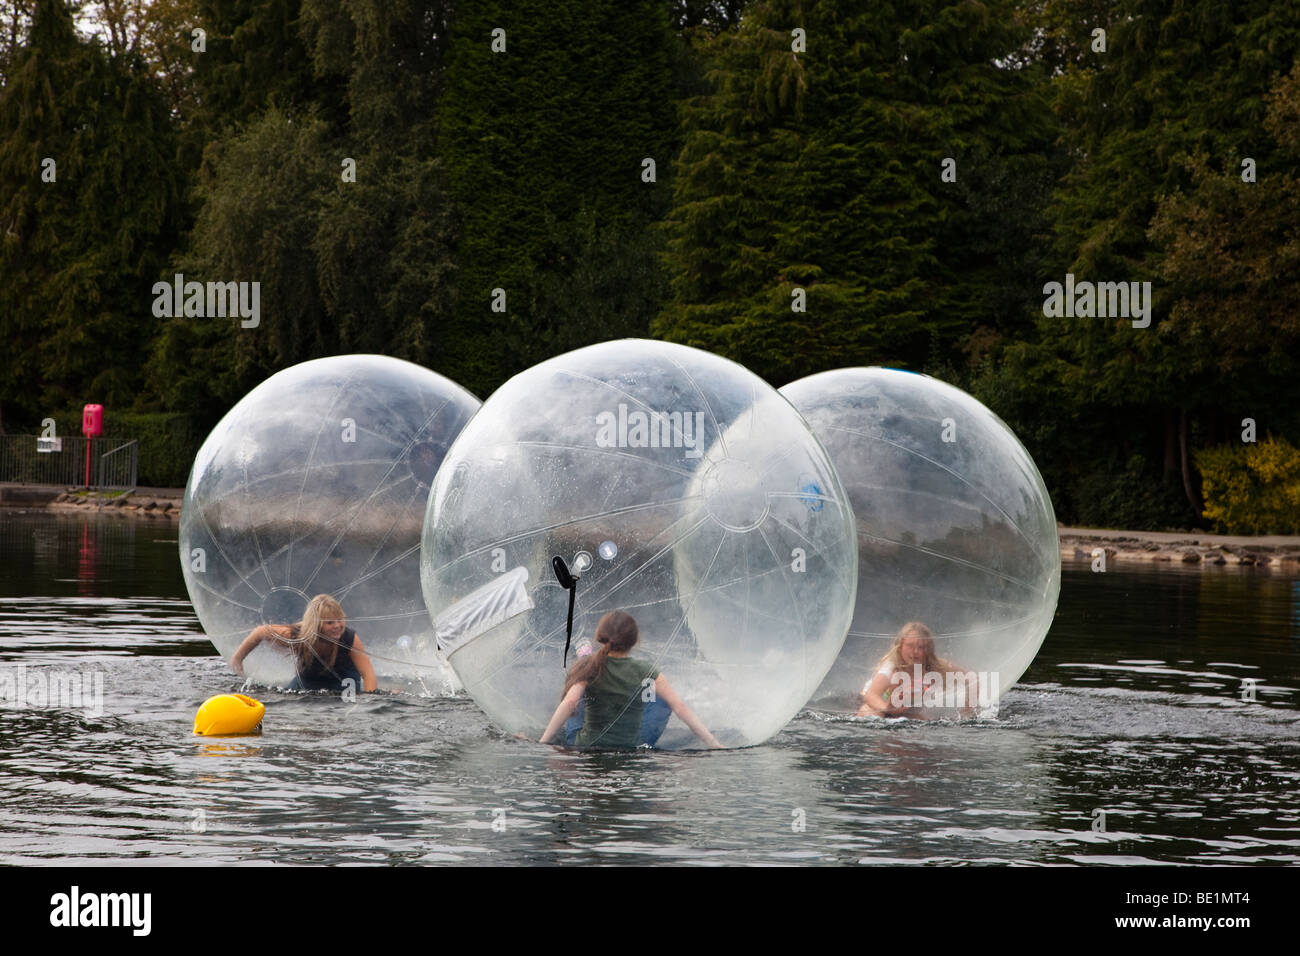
(27, 459)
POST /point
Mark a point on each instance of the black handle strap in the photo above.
(573, 592)
(570, 584)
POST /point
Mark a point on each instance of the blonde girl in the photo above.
(326, 652)
(913, 645)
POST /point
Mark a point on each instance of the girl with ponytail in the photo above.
(614, 685)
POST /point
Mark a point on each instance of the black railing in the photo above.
(74, 461)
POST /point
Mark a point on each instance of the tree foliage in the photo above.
(821, 170)
(543, 147)
(90, 211)
(777, 172)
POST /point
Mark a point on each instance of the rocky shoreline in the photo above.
(1077, 544)
(147, 505)
(1181, 548)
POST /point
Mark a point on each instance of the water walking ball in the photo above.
(674, 485)
(316, 482)
(228, 715)
(955, 530)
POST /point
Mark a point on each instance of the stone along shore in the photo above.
(1182, 547)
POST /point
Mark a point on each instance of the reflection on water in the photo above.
(1129, 741)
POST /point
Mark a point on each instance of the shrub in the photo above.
(1135, 498)
(1252, 488)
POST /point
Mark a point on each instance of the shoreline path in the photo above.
(1077, 544)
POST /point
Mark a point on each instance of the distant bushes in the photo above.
(1134, 498)
(1252, 488)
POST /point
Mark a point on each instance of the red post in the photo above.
(92, 426)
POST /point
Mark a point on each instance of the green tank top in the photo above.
(614, 704)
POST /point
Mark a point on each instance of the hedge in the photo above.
(1252, 488)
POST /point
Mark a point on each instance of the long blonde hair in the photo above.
(309, 644)
(933, 662)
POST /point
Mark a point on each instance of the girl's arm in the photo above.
(665, 692)
(260, 633)
(362, 660)
(564, 711)
(873, 698)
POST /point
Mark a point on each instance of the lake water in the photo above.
(1128, 741)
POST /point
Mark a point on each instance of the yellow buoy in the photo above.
(229, 714)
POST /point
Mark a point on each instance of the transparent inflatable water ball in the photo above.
(680, 488)
(316, 482)
(955, 531)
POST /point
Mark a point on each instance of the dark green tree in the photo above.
(1231, 264)
(355, 263)
(383, 247)
(383, 259)
(82, 240)
(262, 195)
(388, 56)
(1175, 82)
(256, 57)
(821, 171)
(543, 147)
(15, 20)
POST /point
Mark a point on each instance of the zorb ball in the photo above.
(316, 482)
(954, 524)
(678, 487)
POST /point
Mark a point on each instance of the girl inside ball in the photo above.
(615, 687)
(654, 716)
(326, 652)
(913, 653)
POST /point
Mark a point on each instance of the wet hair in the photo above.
(616, 631)
(932, 662)
(306, 639)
